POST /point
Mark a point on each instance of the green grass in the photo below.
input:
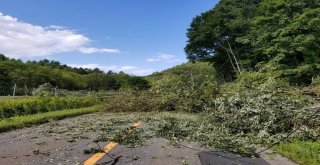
(36, 119)
(17, 98)
(301, 152)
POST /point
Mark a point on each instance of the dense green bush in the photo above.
(260, 81)
(45, 89)
(42, 104)
(315, 81)
(133, 101)
(302, 75)
(186, 87)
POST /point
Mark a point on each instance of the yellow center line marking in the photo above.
(136, 124)
(96, 157)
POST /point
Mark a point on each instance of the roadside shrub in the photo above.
(45, 89)
(302, 75)
(187, 87)
(316, 85)
(42, 104)
(257, 80)
(132, 101)
(315, 81)
(187, 100)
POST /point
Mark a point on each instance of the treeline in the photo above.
(31, 74)
(279, 36)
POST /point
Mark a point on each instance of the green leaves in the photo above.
(272, 35)
(287, 29)
(216, 34)
(40, 105)
(31, 74)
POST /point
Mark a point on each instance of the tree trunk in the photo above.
(237, 70)
(234, 56)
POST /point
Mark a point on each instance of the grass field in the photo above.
(30, 120)
(304, 153)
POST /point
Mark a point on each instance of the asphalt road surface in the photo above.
(64, 142)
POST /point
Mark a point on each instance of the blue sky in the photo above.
(136, 36)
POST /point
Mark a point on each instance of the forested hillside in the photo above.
(31, 74)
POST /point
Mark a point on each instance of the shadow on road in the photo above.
(220, 158)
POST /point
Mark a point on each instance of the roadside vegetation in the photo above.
(301, 152)
(258, 85)
(29, 75)
(36, 119)
(252, 80)
(230, 116)
(31, 106)
(35, 92)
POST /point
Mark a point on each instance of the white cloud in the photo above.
(93, 66)
(142, 72)
(163, 57)
(56, 27)
(20, 39)
(127, 68)
(90, 50)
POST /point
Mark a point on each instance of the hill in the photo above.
(31, 74)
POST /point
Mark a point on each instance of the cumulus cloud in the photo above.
(127, 68)
(163, 57)
(20, 39)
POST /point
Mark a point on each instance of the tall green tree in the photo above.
(286, 32)
(212, 36)
(5, 80)
(259, 35)
(285, 36)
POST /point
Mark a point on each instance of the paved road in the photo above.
(64, 142)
